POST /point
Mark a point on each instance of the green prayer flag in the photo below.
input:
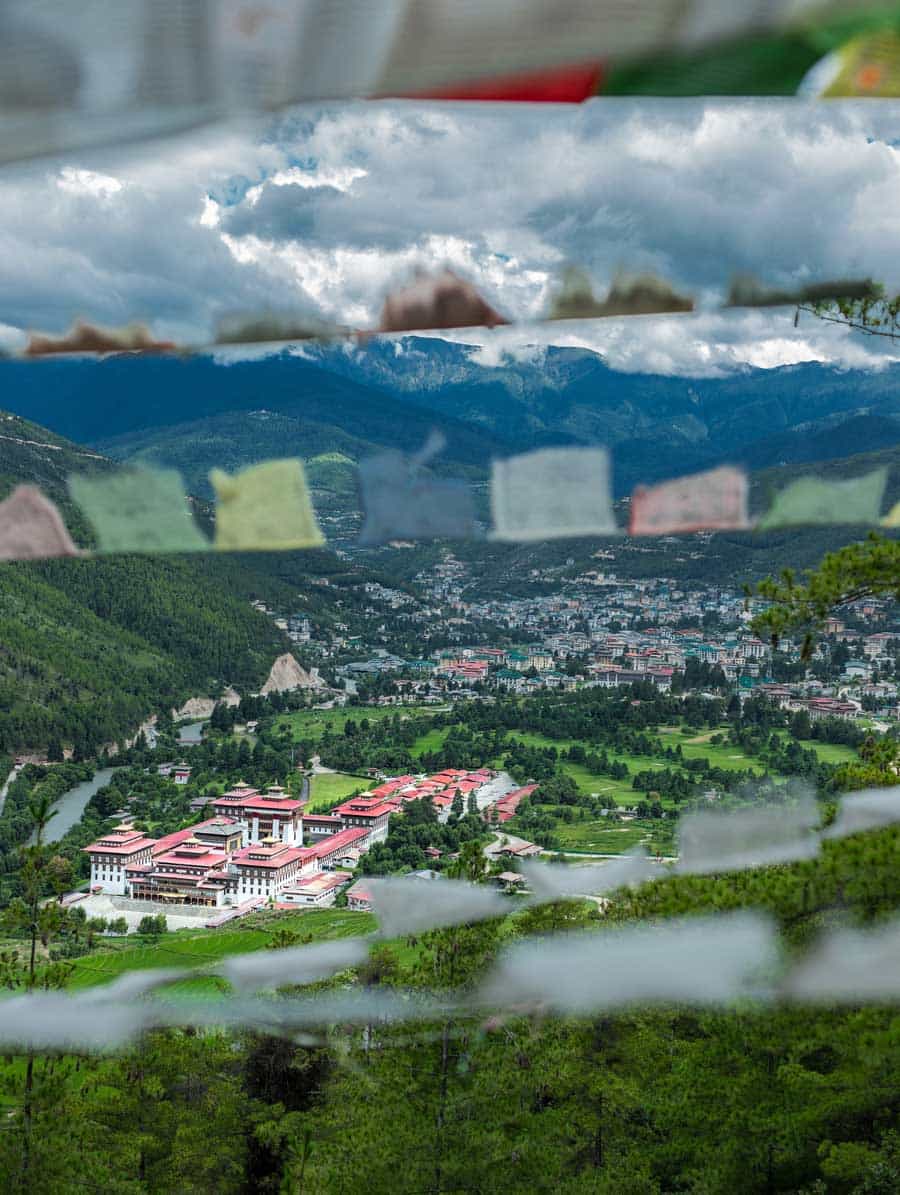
(139, 510)
(811, 500)
(265, 508)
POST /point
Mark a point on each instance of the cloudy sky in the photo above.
(324, 210)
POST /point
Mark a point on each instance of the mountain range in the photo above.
(332, 404)
(87, 648)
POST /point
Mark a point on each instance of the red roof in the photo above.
(364, 807)
(184, 856)
(507, 806)
(169, 841)
(274, 856)
(388, 787)
(120, 842)
(330, 819)
(320, 882)
(340, 842)
(263, 804)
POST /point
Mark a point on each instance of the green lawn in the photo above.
(198, 948)
(328, 788)
(312, 724)
(592, 782)
(833, 752)
(829, 752)
(720, 755)
(693, 746)
(432, 741)
(602, 836)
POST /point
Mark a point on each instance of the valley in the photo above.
(474, 705)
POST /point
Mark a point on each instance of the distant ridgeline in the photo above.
(89, 648)
(333, 408)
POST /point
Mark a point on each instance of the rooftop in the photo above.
(268, 854)
(339, 842)
(123, 840)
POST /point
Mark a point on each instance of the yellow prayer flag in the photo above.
(264, 508)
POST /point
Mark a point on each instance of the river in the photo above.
(71, 804)
(191, 734)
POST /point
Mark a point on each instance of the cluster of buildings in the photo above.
(596, 629)
(373, 807)
(507, 806)
(260, 846)
(813, 698)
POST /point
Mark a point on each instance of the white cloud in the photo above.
(707, 344)
(331, 207)
(87, 182)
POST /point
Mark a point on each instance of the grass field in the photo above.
(592, 782)
(312, 724)
(601, 836)
(199, 948)
(432, 741)
(720, 755)
(327, 788)
(828, 752)
(833, 752)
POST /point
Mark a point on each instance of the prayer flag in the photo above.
(398, 504)
(266, 507)
(712, 501)
(551, 494)
(139, 510)
(441, 300)
(642, 295)
(83, 337)
(811, 500)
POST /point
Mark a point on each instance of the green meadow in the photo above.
(327, 788)
(312, 724)
(204, 948)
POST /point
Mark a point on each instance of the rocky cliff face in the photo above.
(202, 707)
(287, 674)
(195, 707)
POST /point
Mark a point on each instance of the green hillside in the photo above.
(88, 648)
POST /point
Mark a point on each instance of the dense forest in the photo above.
(642, 1101)
(89, 649)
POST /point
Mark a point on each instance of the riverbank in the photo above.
(72, 804)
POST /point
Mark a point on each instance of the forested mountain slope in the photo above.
(88, 648)
(327, 400)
